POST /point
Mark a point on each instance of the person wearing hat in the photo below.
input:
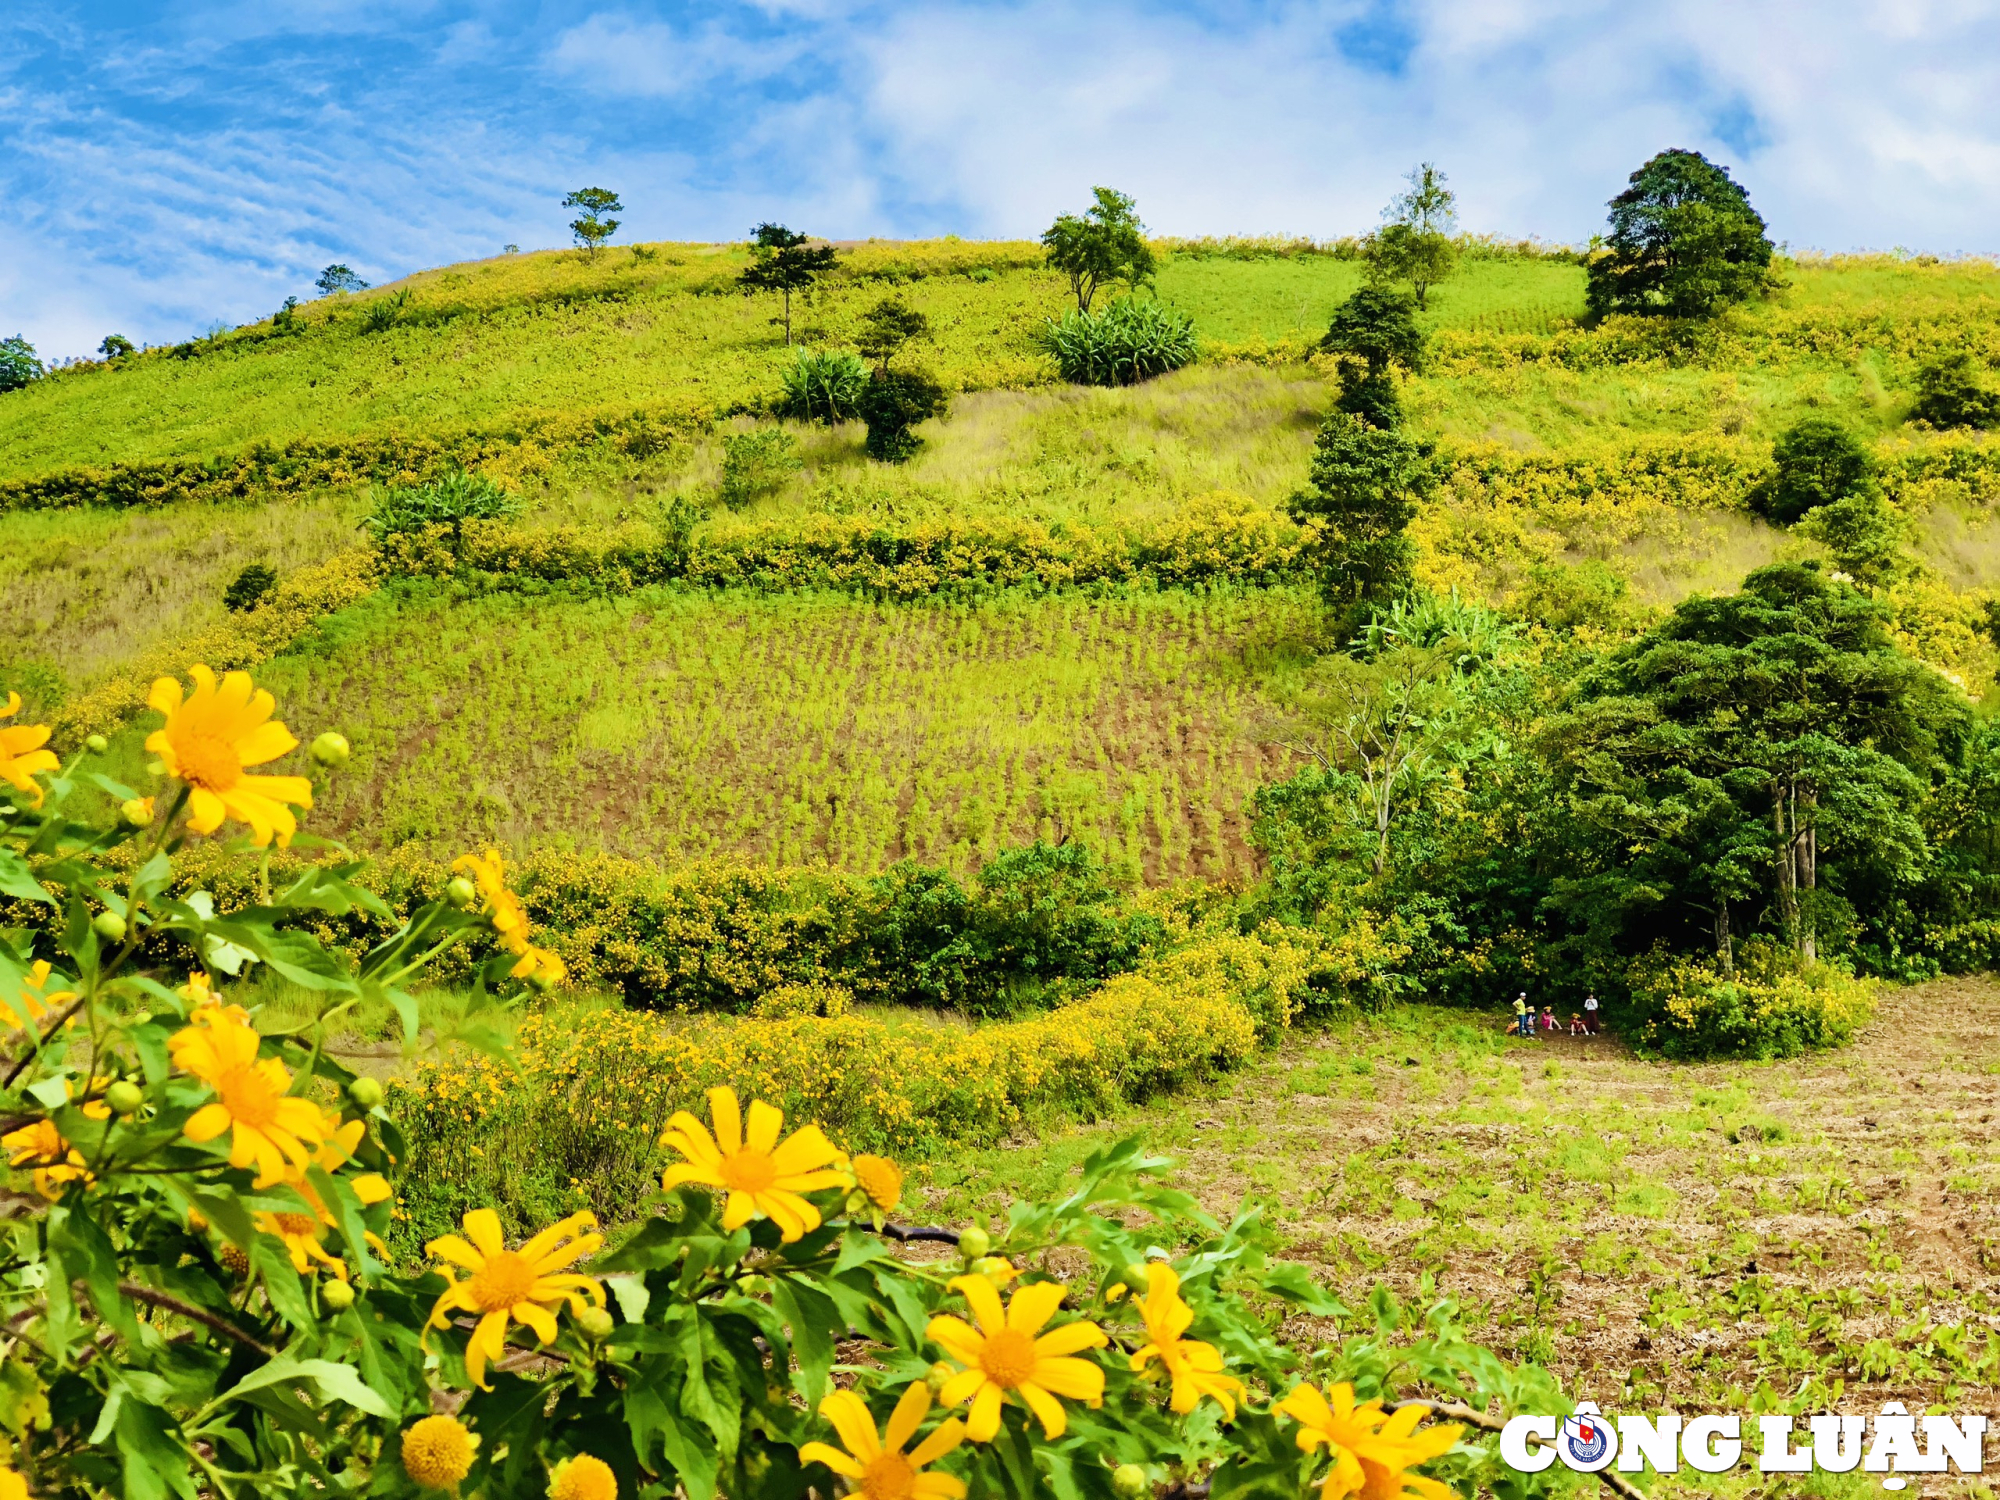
(1524, 1017)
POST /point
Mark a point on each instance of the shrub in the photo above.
(892, 403)
(248, 588)
(756, 464)
(382, 314)
(450, 500)
(1772, 1006)
(1818, 461)
(1952, 392)
(1131, 340)
(823, 385)
(587, 1094)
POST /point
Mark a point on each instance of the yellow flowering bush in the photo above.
(1770, 1006)
(581, 1103)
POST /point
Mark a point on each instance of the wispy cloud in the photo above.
(206, 162)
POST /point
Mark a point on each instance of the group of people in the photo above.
(1581, 1023)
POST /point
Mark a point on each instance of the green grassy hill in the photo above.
(835, 707)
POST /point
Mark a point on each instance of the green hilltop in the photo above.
(1072, 615)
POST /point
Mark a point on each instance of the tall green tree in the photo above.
(887, 327)
(785, 261)
(1373, 332)
(593, 224)
(1684, 241)
(1816, 461)
(1105, 243)
(1745, 761)
(1414, 243)
(18, 364)
(1363, 492)
(338, 278)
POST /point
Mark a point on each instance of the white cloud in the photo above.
(651, 60)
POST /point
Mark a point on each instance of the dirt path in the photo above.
(1716, 1236)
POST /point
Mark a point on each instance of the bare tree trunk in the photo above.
(1725, 950)
(1788, 899)
(1808, 846)
(788, 317)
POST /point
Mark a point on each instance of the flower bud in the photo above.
(460, 892)
(974, 1243)
(331, 750)
(137, 811)
(541, 981)
(996, 1269)
(366, 1093)
(1130, 1482)
(594, 1323)
(337, 1295)
(124, 1097)
(937, 1375)
(1136, 1278)
(97, 744)
(109, 926)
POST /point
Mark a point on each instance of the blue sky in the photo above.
(168, 166)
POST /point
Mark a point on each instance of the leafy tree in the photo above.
(1756, 751)
(1866, 536)
(1684, 241)
(1365, 485)
(1105, 243)
(286, 318)
(593, 224)
(1817, 461)
(1374, 331)
(785, 261)
(18, 365)
(116, 346)
(892, 403)
(1951, 392)
(887, 326)
(1415, 244)
(337, 278)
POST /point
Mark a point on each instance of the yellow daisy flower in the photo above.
(763, 1178)
(55, 1162)
(503, 907)
(878, 1466)
(1370, 1447)
(33, 1001)
(1196, 1367)
(881, 1179)
(437, 1452)
(539, 961)
(521, 1285)
(1004, 1356)
(270, 1130)
(584, 1477)
(21, 752)
(207, 741)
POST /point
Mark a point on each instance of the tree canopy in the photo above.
(1374, 331)
(1363, 493)
(1103, 244)
(338, 278)
(1817, 461)
(1745, 761)
(1684, 241)
(1414, 243)
(785, 261)
(593, 224)
(18, 364)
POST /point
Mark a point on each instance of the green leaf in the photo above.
(18, 881)
(813, 1319)
(1297, 1285)
(273, 1261)
(336, 1382)
(338, 1195)
(632, 1295)
(117, 789)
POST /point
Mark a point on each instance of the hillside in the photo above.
(870, 697)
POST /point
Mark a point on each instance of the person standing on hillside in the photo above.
(1524, 1018)
(1590, 1015)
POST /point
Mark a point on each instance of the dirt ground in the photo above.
(1732, 1237)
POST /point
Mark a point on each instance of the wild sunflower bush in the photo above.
(197, 1298)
